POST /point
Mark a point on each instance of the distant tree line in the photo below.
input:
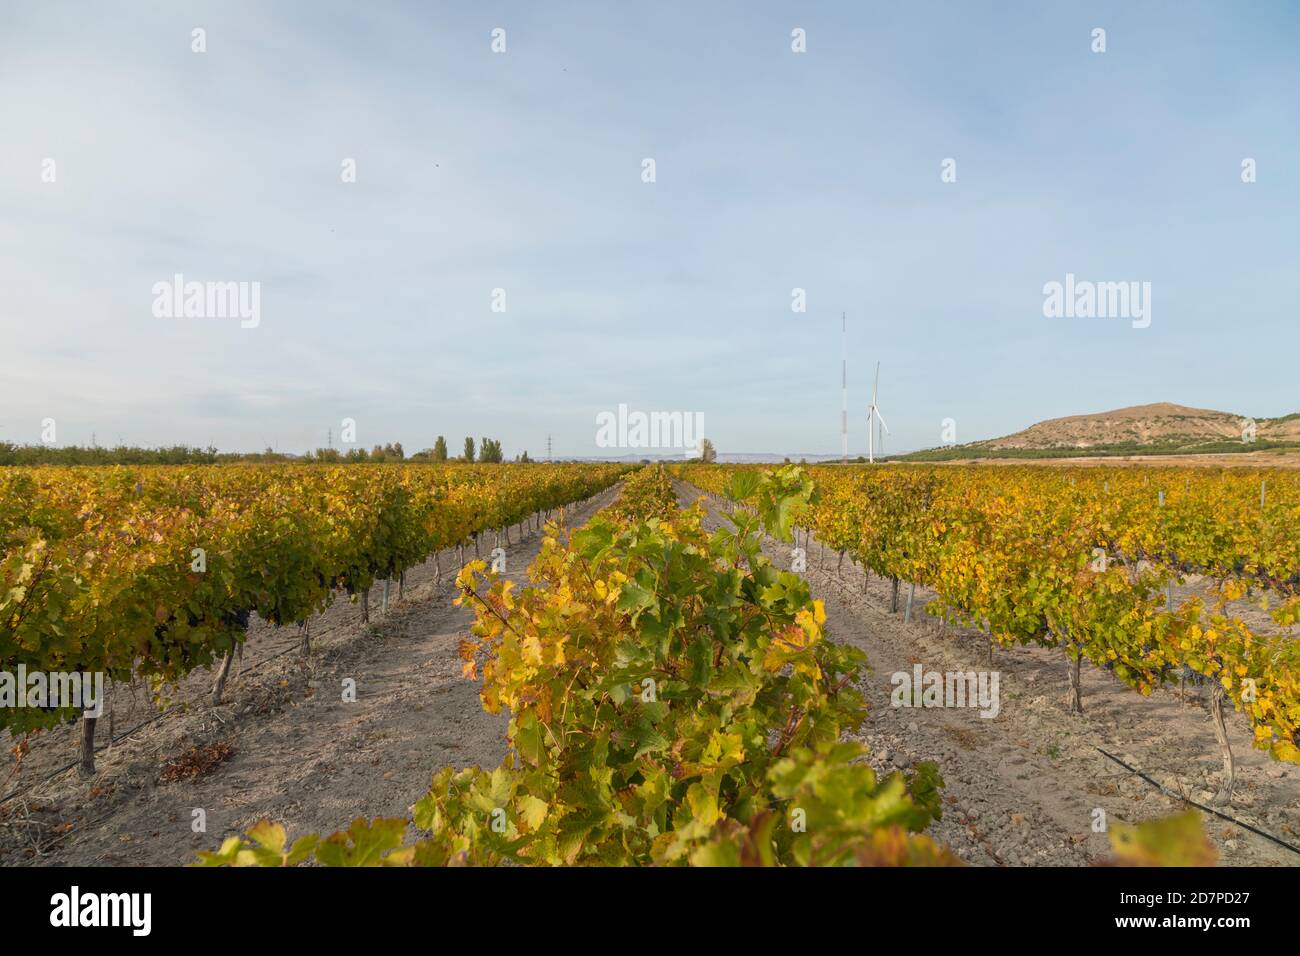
(11, 454)
(488, 451)
(1114, 450)
(391, 452)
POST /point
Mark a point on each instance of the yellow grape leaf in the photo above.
(1178, 840)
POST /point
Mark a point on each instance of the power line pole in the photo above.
(549, 459)
(844, 390)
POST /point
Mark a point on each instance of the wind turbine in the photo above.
(873, 414)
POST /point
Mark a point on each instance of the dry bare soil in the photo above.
(1021, 787)
(298, 753)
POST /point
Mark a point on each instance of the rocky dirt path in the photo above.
(1022, 787)
(300, 754)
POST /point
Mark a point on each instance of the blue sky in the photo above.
(522, 171)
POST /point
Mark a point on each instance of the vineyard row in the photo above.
(155, 571)
(1013, 552)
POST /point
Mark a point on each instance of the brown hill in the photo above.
(1160, 424)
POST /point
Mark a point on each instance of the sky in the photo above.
(523, 171)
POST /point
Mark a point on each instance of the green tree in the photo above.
(440, 449)
(708, 454)
(469, 449)
(490, 451)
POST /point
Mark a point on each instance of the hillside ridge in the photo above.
(1155, 428)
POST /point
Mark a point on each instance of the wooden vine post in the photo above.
(87, 765)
